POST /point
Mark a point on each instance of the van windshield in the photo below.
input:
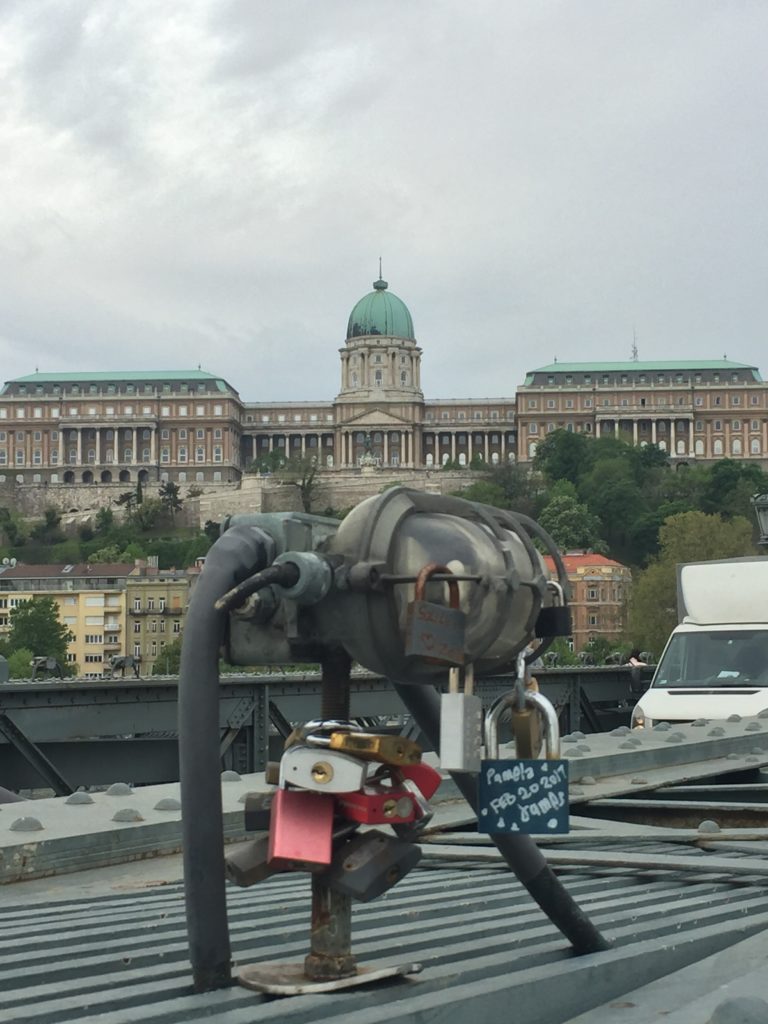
(720, 658)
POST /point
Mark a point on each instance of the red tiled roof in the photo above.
(583, 561)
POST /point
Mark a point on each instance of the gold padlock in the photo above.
(386, 749)
(526, 729)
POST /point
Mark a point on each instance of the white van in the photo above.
(715, 663)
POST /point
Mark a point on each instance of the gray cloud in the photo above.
(216, 185)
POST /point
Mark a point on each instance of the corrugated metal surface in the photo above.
(488, 952)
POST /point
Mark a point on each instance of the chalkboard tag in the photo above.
(524, 796)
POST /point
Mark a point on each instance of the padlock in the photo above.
(249, 863)
(377, 804)
(384, 748)
(526, 718)
(324, 771)
(258, 810)
(461, 724)
(433, 631)
(554, 620)
(423, 775)
(301, 827)
(370, 864)
(525, 795)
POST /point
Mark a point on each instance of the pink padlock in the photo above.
(301, 827)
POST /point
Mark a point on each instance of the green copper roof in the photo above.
(380, 312)
(91, 376)
(631, 366)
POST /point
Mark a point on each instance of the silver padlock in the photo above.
(510, 702)
(321, 770)
(461, 724)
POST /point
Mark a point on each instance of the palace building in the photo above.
(192, 426)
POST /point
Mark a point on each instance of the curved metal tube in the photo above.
(519, 851)
(237, 554)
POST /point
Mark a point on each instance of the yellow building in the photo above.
(91, 601)
(156, 602)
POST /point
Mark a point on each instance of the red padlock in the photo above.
(424, 776)
(378, 805)
(301, 827)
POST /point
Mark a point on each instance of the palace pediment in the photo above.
(375, 418)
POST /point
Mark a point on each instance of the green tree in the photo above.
(563, 455)
(20, 663)
(571, 524)
(688, 537)
(169, 660)
(11, 528)
(105, 520)
(35, 625)
(171, 498)
(49, 530)
(301, 473)
(147, 514)
(270, 462)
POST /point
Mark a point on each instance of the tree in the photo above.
(269, 462)
(48, 531)
(212, 530)
(301, 473)
(571, 524)
(104, 521)
(171, 498)
(20, 663)
(168, 662)
(688, 537)
(146, 515)
(562, 455)
(35, 625)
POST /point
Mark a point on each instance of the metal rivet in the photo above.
(675, 737)
(717, 731)
(741, 1010)
(708, 826)
(626, 745)
(575, 791)
(733, 757)
(26, 825)
(763, 713)
(733, 718)
(168, 803)
(752, 760)
(568, 739)
(622, 730)
(127, 814)
(79, 798)
(578, 735)
(584, 748)
(119, 789)
(588, 780)
(230, 776)
(662, 727)
(701, 721)
(758, 750)
(575, 753)
(753, 727)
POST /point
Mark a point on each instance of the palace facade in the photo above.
(192, 426)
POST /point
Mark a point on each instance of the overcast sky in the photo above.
(214, 181)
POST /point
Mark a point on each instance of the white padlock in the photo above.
(461, 724)
(321, 770)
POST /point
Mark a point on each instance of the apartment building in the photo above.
(91, 602)
(600, 588)
(156, 602)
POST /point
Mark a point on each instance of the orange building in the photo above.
(599, 591)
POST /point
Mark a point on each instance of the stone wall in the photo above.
(337, 489)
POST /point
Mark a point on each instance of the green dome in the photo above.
(380, 312)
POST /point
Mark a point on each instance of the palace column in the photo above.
(79, 446)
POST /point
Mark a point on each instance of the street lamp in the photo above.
(760, 502)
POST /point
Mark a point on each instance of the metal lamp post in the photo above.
(760, 503)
